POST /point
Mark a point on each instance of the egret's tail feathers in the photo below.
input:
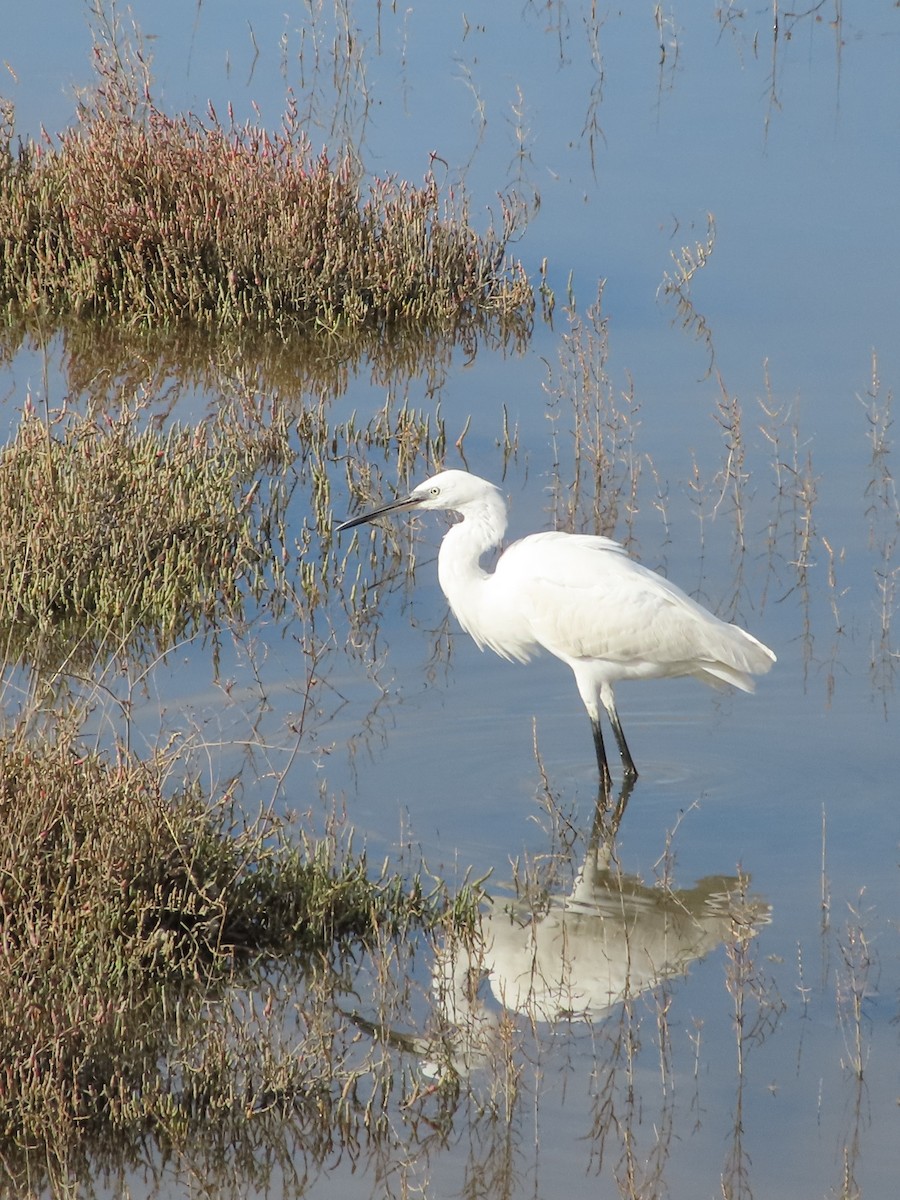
(718, 674)
(747, 657)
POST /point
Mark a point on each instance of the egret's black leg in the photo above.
(627, 761)
(602, 764)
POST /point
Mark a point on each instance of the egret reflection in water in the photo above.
(576, 957)
(610, 940)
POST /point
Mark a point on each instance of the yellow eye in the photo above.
(435, 491)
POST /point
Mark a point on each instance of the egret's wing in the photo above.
(586, 599)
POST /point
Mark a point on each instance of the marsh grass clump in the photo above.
(160, 883)
(111, 532)
(128, 909)
(154, 220)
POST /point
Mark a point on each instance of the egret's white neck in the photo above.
(482, 608)
(459, 562)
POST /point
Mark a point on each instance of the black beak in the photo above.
(394, 506)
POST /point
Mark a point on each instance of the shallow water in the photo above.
(429, 744)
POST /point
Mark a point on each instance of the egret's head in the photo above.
(455, 490)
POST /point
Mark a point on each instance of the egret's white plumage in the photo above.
(580, 597)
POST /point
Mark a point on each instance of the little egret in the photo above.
(580, 597)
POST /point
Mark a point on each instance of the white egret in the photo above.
(580, 597)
